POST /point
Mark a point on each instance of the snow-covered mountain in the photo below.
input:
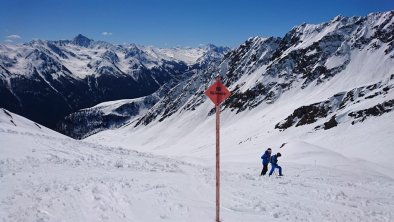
(46, 80)
(346, 64)
(118, 113)
(332, 82)
(359, 49)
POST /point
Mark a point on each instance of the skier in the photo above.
(266, 160)
(274, 164)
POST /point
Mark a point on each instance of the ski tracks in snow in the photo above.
(58, 179)
(317, 194)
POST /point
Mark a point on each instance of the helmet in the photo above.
(278, 154)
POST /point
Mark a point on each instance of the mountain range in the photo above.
(47, 80)
(346, 63)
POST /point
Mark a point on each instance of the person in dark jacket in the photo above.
(274, 164)
(266, 160)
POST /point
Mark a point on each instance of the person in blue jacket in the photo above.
(266, 157)
(274, 164)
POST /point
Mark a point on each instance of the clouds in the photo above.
(12, 38)
(106, 33)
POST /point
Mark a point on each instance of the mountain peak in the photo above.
(337, 18)
(82, 40)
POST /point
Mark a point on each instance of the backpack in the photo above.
(274, 159)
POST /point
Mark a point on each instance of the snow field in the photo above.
(45, 176)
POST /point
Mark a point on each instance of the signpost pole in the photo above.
(217, 92)
(218, 163)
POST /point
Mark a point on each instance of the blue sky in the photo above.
(167, 23)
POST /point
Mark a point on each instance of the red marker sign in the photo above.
(217, 93)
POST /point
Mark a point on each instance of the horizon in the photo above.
(169, 24)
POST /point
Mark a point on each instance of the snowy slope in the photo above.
(45, 176)
(106, 115)
(187, 55)
(245, 135)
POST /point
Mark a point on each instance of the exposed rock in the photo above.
(331, 123)
(376, 110)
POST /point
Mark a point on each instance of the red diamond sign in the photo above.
(217, 92)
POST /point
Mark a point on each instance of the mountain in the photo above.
(329, 85)
(82, 41)
(47, 80)
(114, 114)
(345, 61)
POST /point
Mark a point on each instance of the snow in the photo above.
(12, 52)
(79, 65)
(45, 176)
(108, 107)
(186, 54)
(334, 61)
